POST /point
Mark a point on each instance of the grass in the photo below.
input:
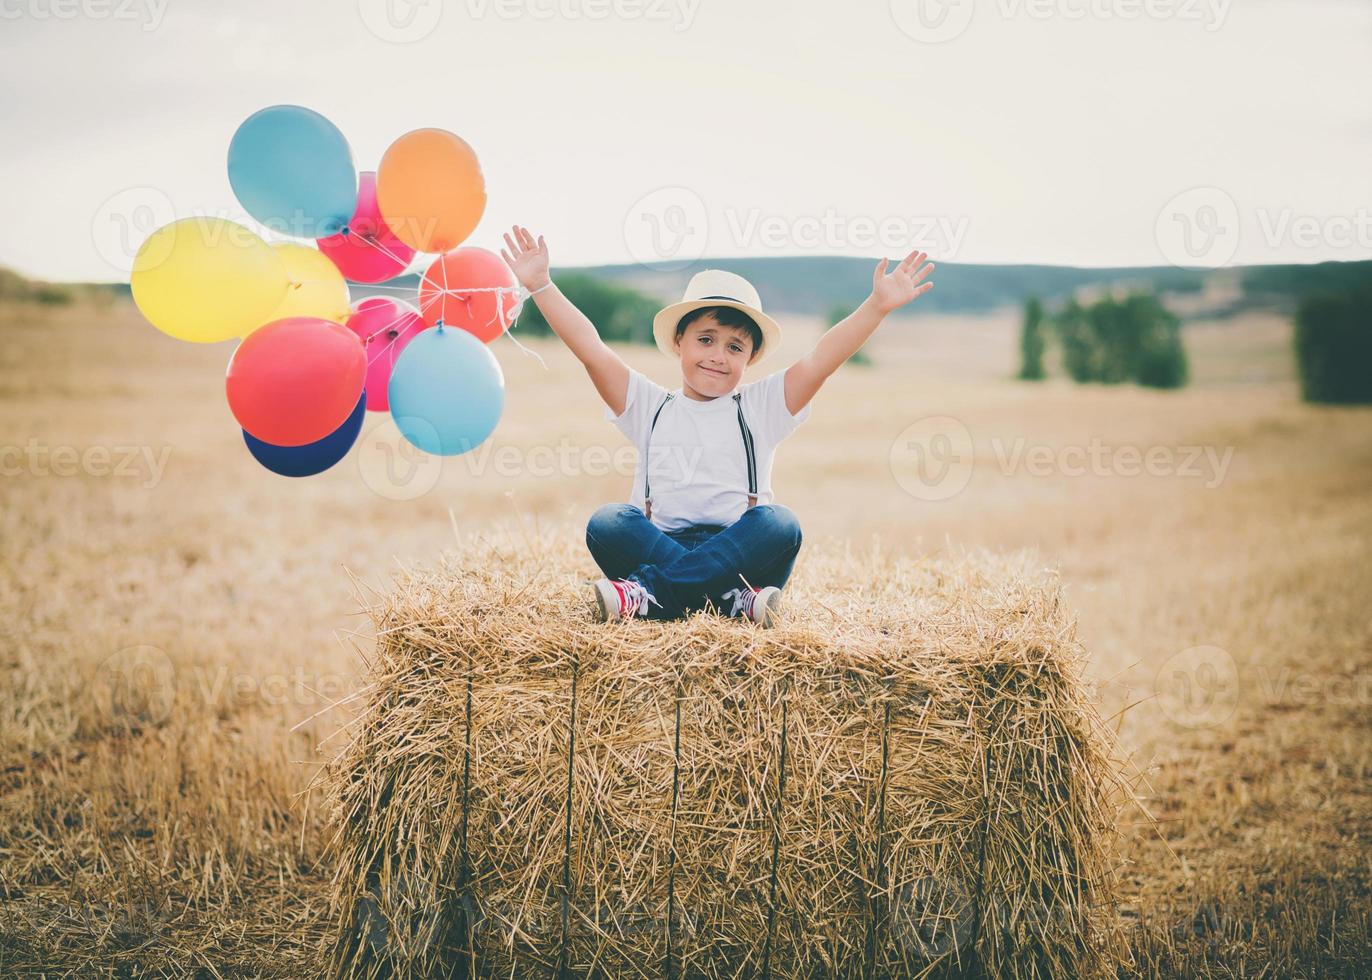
(172, 644)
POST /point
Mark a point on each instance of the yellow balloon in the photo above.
(206, 279)
(317, 288)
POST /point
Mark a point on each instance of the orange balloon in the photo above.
(455, 291)
(430, 189)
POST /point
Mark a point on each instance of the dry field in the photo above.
(176, 621)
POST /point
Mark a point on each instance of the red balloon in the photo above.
(294, 381)
(369, 251)
(384, 326)
(445, 293)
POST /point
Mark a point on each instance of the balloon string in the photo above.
(526, 350)
(499, 298)
(398, 289)
(444, 267)
(390, 326)
(456, 292)
(383, 250)
(517, 291)
(394, 340)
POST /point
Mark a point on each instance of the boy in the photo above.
(701, 528)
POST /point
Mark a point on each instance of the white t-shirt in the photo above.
(698, 467)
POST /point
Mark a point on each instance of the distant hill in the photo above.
(15, 288)
(815, 284)
(1296, 281)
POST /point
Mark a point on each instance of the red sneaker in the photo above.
(622, 598)
(761, 606)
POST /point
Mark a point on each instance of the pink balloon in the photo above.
(367, 250)
(384, 326)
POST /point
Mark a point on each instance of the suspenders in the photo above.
(748, 450)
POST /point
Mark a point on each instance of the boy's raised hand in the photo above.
(527, 259)
(890, 291)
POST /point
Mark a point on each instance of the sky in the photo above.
(1199, 133)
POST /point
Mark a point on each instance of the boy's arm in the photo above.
(607, 370)
(529, 262)
(842, 340)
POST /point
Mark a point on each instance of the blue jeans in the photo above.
(684, 570)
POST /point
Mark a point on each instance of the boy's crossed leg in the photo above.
(761, 547)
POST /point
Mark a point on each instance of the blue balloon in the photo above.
(292, 170)
(313, 457)
(446, 392)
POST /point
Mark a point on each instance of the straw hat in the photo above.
(715, 287)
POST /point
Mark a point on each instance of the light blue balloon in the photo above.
(292, 170)
(446, 392)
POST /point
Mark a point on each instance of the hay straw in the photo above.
(906, 778)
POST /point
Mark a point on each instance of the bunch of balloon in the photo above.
(446, 391)
(311, 362)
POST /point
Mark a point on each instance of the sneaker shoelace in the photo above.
(634, 598)
(743, 601)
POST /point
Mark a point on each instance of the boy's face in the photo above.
(713, 356)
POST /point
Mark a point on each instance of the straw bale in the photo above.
(907, 777)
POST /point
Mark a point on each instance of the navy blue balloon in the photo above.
(313, 457)
(292, 170)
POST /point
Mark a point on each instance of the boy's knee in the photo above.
(608, 515)
(784, 521)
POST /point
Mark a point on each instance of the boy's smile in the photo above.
(712, 358)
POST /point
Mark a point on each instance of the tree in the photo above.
(1334, 346)
(619, 313)
(1031, 341)
(1115, 328)
(1078, 343)
(1112, 341)
(1159, 357)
